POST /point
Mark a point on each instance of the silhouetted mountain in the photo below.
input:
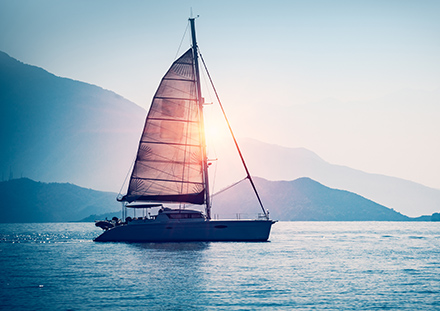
(54, 129)
(281, 163)
(25, 200)
(302, 199)
(57, 129)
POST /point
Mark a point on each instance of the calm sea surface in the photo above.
(306, 265)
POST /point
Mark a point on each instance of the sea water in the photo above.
(305, 266)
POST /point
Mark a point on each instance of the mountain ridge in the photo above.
(302, 199)
(406, 196)
(56, 129)
(25, 200)
(305, 199)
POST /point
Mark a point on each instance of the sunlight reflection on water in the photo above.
(307, 265)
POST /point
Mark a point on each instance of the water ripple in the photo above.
(307, 265)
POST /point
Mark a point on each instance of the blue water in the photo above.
(305, 266)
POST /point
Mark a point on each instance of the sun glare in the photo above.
(213, 132)
(216, 130)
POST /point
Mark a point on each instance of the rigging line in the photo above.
(206, 83)
(226, 189)
(214, 179)
(229, 187)
(126, 177)
(172, 181)
(208, 116)
(233, 137)
(166, 161)
(176, 119)
(145, 164)
(178, 79)
(181, 41)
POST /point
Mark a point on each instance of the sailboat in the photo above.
(171, 166)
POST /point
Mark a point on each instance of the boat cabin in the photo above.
(166, 214)
(180, 214)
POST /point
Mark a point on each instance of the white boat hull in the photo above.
(205, 230)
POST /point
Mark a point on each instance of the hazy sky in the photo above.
(357, 82)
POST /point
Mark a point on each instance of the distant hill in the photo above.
(275, 162)
(55, 129)
(59, 130)
(25, 200)
(302, 199)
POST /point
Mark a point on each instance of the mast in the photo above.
(202, 126)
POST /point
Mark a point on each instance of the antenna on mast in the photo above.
(191, 16)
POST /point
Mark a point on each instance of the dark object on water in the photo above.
(172, 166)
(104, 224)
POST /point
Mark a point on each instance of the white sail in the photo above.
(168, 165)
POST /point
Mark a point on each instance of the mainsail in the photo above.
(168, 166)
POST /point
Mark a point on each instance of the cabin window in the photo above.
(196, 216)
(176, 216)
(184, 215)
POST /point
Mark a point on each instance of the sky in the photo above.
(357, 82)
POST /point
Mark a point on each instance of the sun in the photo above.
(216, 130)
